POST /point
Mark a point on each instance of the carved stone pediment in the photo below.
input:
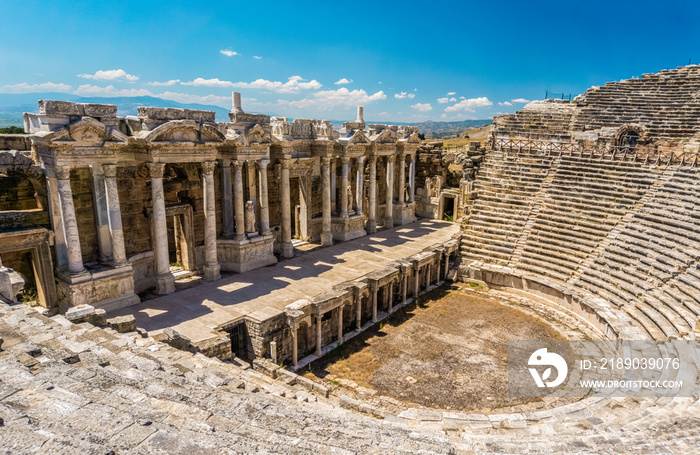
(257, 135)
(211, 134)
(413, 139)
(359, 138)
(385, 137)
(87, 132)
(175, 131)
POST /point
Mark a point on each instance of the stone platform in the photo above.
(262, 294)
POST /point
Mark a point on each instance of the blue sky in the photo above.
(404, 61)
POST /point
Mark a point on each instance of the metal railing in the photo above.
(643, 155)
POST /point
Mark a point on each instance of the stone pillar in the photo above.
(264, 207)
(344, 183)
(239, 208)
(285, 202)
(412, 179)
(70, 222)
(295, 346)
(416, 289)
(402, 179)
(389, 215)
(319, 351)
(56, 218)
(391, 298)
(372, 221)
(211, 267)
(114, 214)
(99, 199)
(340, 325)
(359, 184)
(358, 313)
(226, 199)
(334, 176)
(447, 264)
(437, 264)
(427, 275)
(404, 287)
(373, 292)
(164, 278)
(326, 234)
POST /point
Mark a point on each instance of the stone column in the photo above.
(56, 218)
(99, 198)
(164, 278)
(70, 222)
(372, 221)
(326, 234)
(391, 298)
(416, 289)
(437, 264)
(427, 275)
(264, 207)
(404, 287)
(239, 209)
(319, 351)
(402, 179)
(358, 313)
(285, 202)
(412, 179)
(226, 199)
(373, 292)
(211, 268)
(389, 215)
(340, 325)
(344, 182)
(359, 184)
(447, 264)
(334, 176)
(114, 214)
(295, 344)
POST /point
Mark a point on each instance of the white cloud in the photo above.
(228, 52)
(451, 93)
(423, 107)
(453, 99)
(257, 57)
(110, 75)
(400, 96)
(223, 101)
(520, 100)
(443, 100)
(164, 84)
(505, 103)
(215, 82)
(411, 95)
(294, 85)
(94, 90)
(328, 99)
(35, 88)
(469, 105)
(343, 81)
(462, 98)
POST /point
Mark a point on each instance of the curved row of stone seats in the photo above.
(643, 267)
(626, 232)
(583, 203)
(506, 191)
(74, 388)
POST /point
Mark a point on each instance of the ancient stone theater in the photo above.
(165, 277)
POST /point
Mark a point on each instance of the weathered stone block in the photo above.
(50, 107)
(123, 324)
(78, 313)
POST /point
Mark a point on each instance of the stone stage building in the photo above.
(106, 208)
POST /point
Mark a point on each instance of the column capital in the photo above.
(390, 158)
(262, 164)
(326, 160)
(345, 159)
(63, 172)
(156, 170)
(208, 167)
(285, 163)
(109, 170)
(237, 165)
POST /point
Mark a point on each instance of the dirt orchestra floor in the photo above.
(449, 351)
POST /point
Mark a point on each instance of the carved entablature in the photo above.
(258, 136)
(387, 136)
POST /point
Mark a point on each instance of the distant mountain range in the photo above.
(12, 106)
